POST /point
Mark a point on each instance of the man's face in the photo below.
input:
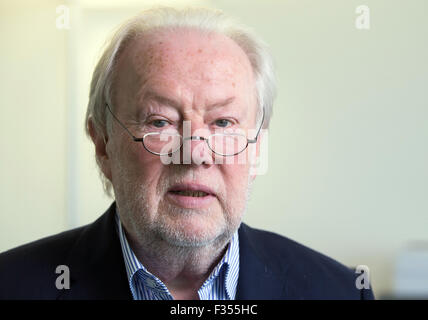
(162, 80)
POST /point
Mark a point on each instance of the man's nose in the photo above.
(195, 147)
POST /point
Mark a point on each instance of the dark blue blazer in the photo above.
(271, 267)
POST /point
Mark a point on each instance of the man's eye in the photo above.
(159, 123)
(223, 123)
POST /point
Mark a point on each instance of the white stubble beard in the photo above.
(151, 231)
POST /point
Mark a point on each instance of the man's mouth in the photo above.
(191, 190)
(191, 195)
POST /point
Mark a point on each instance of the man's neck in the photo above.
(182, 269)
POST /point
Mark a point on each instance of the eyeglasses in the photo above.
(166, 143)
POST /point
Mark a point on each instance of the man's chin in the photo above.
(192, 234)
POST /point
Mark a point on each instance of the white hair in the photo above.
(205, 20)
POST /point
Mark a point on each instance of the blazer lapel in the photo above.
(260, 276)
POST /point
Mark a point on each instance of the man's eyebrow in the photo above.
(175, 104)
(221, 103)
(162, 99)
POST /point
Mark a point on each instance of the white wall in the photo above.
(32, 123)
(347, 146)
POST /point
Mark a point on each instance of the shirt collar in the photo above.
(227, 270)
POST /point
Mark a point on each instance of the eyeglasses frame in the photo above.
(191, 138)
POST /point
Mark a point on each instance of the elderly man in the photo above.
(177, 97)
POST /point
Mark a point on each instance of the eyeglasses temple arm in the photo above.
(258, 131)
(122, 125)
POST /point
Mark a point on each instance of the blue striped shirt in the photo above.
(220, 285)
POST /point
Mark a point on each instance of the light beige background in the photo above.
(348, 154)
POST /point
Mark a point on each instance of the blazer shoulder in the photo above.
(53, 245)
(31, 267)
(310, 272)
(285, 249)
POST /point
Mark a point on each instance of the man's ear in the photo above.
(100, 143)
